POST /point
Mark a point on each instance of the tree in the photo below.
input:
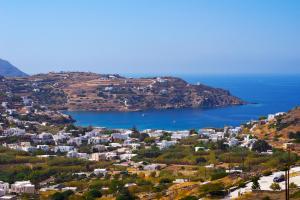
(62, 195)
(149, 140)
(212, 157)
(275, 187)
(255, 183)
(93, 194)
(125, 195)
(261, 146)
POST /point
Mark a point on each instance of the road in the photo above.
(265, 183)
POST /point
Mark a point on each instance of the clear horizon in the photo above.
(152, 37)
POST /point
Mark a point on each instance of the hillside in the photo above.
(90, 91)
(282, 129)
(8, 70)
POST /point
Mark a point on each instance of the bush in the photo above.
(275, 187)
(293, 185)
(62, 195)
(212, 188)
(261, 146)
(125, 195)
(296, 195)
(93, 194)
(266, 198)
(189, 198)
(165, 181)
(217, 174)
(267, 173)
(200, 160)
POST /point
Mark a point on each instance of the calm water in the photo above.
(271, 93)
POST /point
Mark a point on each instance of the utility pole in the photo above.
(287, 176)
(285, 184)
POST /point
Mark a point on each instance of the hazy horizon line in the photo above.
(177, 74)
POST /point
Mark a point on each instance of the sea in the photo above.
(265, 94)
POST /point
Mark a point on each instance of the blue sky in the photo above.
(152, 36)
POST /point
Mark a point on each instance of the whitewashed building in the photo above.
(20, 187)
(4, 188)
(63, 149)
(166, 144)
(14, 132)
(100, 171)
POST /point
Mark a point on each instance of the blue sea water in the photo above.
(276, 93)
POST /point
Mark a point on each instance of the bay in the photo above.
(266, 94)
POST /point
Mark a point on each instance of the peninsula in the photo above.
(112, 92)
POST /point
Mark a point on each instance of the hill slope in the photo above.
(8, 70)
(90, 91)
(282, 129)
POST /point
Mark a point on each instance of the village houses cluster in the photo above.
(116, 145)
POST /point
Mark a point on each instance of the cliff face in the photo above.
(8, 70)
(89, 91)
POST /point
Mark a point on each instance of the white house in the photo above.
(4, 104)
(4, 188)
(199, 149)
(180, 135)
(134, 146)
(233, 142)
(14, 132)
(103, 156)
(63, 148)
(180, 180)
(115, 145)
(216, 137)
(165, 144)
(75, 141)
(120, 136)
(99, 139)
(8, 197)
(234, 131)
(45, 137)
(97, 156)
(206, 131)
(61, 137)
(152, 167)
(43, 147)
(100, 171)
(94, 133)
(156, 133)
(127, 156)
(271, 117)
(20, 187)
(75, 154)
(111, 156)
